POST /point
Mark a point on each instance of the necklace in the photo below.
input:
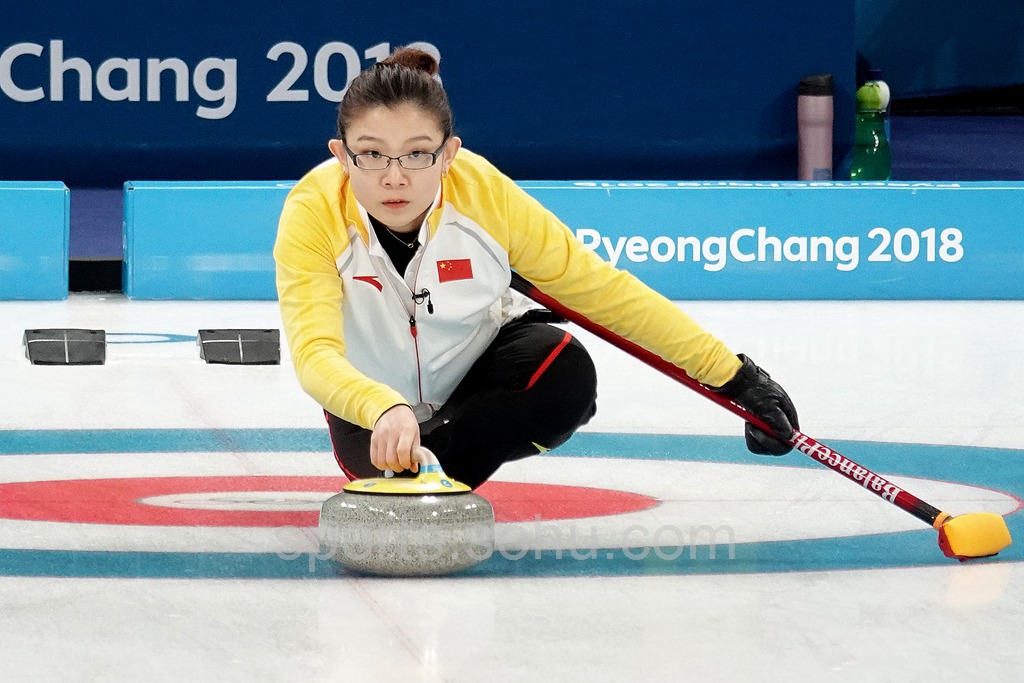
(409, 245)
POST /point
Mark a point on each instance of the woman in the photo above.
(393, 269)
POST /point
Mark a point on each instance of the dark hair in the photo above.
(407, 75)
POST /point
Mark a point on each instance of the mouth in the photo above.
(395, 204)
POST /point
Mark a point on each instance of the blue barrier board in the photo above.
(688, 240)
(34, 229)
(803, 240)
(201, 240)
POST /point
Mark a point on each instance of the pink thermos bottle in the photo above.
(814, 128)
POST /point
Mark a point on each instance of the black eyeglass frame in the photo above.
(355, 158)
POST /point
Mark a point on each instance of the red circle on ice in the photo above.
(122, 501)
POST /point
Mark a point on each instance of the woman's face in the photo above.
(398, 197)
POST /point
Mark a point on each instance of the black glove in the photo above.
(755, 390)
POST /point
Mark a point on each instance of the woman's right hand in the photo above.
(395, 436)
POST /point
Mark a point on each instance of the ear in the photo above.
(451, 148)
(337, 148)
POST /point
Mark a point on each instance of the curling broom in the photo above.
(965, 537)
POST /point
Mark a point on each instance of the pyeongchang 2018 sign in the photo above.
(797, 240)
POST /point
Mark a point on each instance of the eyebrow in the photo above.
(418, 138)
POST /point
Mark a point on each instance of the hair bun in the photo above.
(407, 75)
(414, 59)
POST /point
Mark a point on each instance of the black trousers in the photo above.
(532, 388)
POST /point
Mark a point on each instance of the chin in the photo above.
(406, 221)
(402, 225)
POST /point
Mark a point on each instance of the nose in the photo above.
(394, 174)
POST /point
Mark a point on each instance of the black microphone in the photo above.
(424, 294)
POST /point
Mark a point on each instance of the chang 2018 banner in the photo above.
(33, 72)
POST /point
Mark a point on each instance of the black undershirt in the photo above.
(397, 245)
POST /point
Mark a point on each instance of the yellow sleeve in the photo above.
(310, 292)
(544, 250)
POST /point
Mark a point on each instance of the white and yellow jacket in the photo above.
(361, 343)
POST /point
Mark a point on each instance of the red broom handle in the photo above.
(827, 456)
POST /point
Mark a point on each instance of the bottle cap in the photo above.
(869, 97)
(818, 84)
(874, 74)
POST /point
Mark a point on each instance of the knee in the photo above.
(565, 396)
(577, 367)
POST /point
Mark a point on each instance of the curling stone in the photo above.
(429, 525)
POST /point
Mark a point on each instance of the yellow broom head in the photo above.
(977, 534)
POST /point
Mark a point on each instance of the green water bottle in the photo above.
(872, 159)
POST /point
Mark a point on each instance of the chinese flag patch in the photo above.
(454, 269)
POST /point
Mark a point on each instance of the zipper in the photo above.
(416, 346)
(412, 315)
(412, 330)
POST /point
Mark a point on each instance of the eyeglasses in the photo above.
(414, 161)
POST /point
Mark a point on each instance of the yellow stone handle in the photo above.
(431, 479)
